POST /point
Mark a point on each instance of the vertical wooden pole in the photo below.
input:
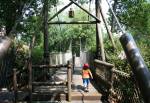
(30, 80)
(99, 37)
(69, 81)
(15, 85)
(46, 51)
(73, 66)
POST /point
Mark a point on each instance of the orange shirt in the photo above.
(86, 73)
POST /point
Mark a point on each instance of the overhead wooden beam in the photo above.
(73, 22)
(86, 11)
(60, 11)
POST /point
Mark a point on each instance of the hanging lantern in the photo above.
(71, 13)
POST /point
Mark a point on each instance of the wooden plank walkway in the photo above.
(78, 93)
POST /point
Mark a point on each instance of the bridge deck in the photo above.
(78, 93)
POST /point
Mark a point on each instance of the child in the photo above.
(86, 75)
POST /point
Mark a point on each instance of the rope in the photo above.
(119, 25)
(89, 9)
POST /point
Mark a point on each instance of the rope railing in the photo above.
(124, 88)
(118, 23)
(116, 86)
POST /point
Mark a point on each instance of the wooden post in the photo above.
(73, 66)
(15, 85)
(99, 37)
(69, 81)
(30, 80)
(46, 51)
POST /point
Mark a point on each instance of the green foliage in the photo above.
(134, 15)
(10, 10)
(37, 54)
(143, 42)
(112, 56)
(21, 54)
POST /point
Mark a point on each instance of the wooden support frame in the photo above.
(77, 22)
(60, 11)
(97, 19)
(73, 22)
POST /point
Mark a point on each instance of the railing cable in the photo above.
(118, 23)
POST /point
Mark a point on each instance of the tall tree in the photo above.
(10, 11)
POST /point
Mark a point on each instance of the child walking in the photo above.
(86, 75)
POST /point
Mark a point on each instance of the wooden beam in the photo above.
(73, 22)
(86, 11)
(60, 11)
(103, 63)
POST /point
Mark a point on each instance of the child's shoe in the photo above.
(86, 90)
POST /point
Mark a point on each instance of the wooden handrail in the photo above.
(96, 61)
